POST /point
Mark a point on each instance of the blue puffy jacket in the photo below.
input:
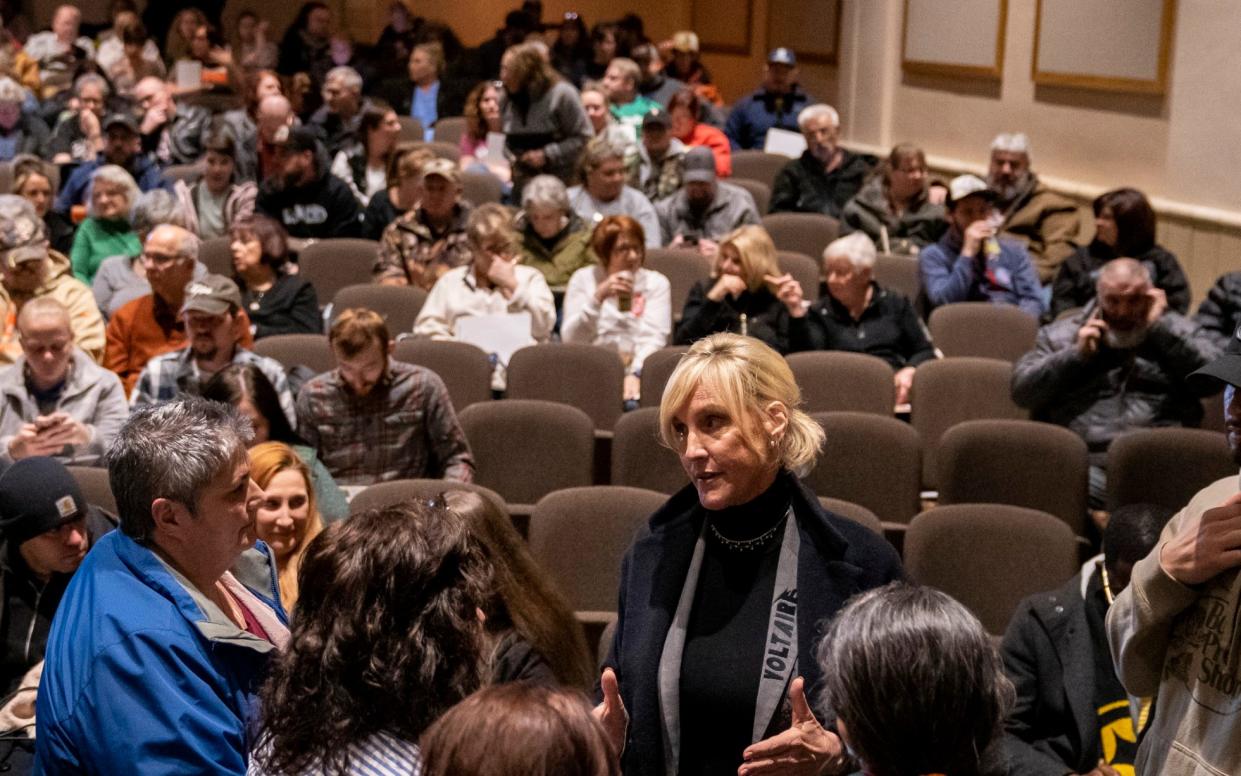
(143, 676)
(761, 110)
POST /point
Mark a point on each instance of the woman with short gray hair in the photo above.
(858, 315)
(554, 239)
(950, 714)
(603, 192)
(106, 231)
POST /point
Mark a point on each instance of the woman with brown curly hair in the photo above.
(388, 636)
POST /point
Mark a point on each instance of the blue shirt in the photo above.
(1005, 278)
(423, 106)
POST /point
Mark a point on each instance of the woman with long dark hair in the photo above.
(245, 387)
(364, 165)
(534, 635)
(572, 51)
(387, 638)
(1124, 228)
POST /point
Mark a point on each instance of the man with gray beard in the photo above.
(1049, 223)
(1118, 365)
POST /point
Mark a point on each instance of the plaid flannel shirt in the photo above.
(405, 428)
(176, 374)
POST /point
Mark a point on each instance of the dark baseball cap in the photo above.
(297, 139)
(211, 294)
(656, 119)
(699, 165)
(37, 495)
(121, 120)
(1226, 368)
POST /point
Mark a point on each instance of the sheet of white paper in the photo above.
(495, 148)
(501, 333)
(784, 142)
(189, 74)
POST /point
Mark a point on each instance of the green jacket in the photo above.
(570, 252)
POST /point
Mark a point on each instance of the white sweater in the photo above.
(642, 330)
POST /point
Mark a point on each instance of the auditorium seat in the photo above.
(990, 556)
(330, 265)
(1018, 462)
(464, 368)
(656, 370)
(836, 381)
(398, 305)
(952, 390)
(524, 450)
(983, 330)
(639, 457)
(291, 350)
(579, 537)
(807, 233)
(1165, 466)
(870, 460)
(589, 377)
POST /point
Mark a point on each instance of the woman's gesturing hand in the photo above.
(805, 749)
(611, 713)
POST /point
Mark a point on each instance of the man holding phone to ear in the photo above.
(1118, 365)
(1174, 630)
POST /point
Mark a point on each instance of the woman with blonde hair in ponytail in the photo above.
(287, 518)
(725, 593)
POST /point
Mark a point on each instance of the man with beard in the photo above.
(777, 103)
(825, 176)
(303, 194)
(704, 209)
(1118, 365)
(122, 146)
(1173, 631)
(214, 326)
(373, 418)
(1049, 223)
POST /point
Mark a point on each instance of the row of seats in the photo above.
(989, 556)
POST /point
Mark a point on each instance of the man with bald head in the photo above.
(257, 139)
(55, 400)
(1118, 365)
(174, 134)
(151, 325)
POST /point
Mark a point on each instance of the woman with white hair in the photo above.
(106, 231)
(858, 315)
(20, 132)
(554, 239)
(723, 595)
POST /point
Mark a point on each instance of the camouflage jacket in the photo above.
(410, 249)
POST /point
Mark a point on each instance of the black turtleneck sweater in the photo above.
(724, 645)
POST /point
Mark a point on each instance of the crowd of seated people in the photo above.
(614, 158)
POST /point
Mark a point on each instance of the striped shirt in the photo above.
(380, 754)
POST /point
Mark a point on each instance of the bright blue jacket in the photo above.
(143, 675)
(1010, 277)
(759, 111)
